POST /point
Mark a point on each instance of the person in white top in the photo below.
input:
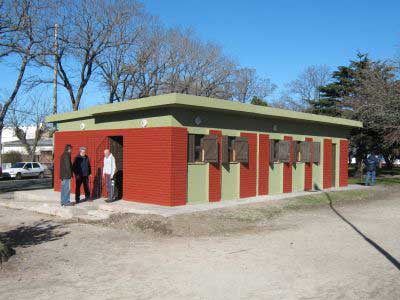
(109, 170)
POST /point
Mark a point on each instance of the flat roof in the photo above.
(199, 102)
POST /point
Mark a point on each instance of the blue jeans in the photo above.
(110, 187)
(65, 191)
(371, 175)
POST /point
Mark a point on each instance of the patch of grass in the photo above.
(379, 181)
(322, 199)
(253, 214)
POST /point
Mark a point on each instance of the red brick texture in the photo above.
(343, 165)
(155, 162)
(327, 168)
(248, 172)
(215, 171)
(287, 170)
(308, 170)
(263, 164)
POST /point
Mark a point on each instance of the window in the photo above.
(316, 152)
(295, 151)
(36, 165)
(28, 166)
(235, 149)
(305, 152)
(202, 148)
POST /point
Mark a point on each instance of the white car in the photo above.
(24, 169)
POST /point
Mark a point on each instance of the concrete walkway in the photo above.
(46, 201)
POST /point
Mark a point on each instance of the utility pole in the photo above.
(55, 68)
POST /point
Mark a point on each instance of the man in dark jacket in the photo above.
(372, 163)
(82, 171)
(65, 175)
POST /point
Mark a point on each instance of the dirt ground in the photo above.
(298, 249)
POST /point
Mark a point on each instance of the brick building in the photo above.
(176, 149)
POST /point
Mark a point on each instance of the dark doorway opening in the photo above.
(116, 148)
(333, 165)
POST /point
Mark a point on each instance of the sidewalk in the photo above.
(46, 201)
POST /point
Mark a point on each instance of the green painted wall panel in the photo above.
(230, 181)
(197, 183)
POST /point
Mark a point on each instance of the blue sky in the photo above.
(278, 38)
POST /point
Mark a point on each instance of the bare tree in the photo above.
(21, 120)
(23, 28)
(247, 84)
(87, 29)
(305, 88)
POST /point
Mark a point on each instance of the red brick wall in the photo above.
(343, 164)
(263, 164)
(327, 169)
(248, 172)
(215, 173)
(287, 170)
(308, 171)
(155, 161)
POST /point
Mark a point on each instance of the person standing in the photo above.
(109, 170)
(65, 176)
(372, 163)
(82, 171)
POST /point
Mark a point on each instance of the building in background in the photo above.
(10, 143)
(176, 149)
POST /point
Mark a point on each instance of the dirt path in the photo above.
(303, 254)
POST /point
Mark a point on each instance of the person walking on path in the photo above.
(109, 170)
(82, 171)
(65, 176)
(372, 163)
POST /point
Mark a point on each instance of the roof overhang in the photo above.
(201, 103)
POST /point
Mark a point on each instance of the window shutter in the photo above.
(271, 151)
(209, 145)
(241, 148)
(191, 148)
(225, 149)
(305, 151)
(284, 151)
(295, 151)
(316, 149)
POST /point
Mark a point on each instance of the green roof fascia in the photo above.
(199, 102)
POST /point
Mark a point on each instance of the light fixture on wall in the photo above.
(82, 126)
(197, 120)
(275, 127)
(143, 123)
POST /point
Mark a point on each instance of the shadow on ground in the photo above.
(382, 251)
(8, 185)
(29, 235)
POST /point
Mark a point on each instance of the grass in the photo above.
(322, 199)
(379, 181)
(5, 252)
(255, 214)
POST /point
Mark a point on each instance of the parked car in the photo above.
(24, 169)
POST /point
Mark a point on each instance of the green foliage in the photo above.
(11, 157)
(258, 101)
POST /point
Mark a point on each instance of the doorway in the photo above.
(333, 165)
(117, 150)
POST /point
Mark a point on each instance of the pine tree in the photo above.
(346, 79)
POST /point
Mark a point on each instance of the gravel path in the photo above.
(317, 253)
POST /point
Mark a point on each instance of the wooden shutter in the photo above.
(295, 151)
(305, 152)
(272, 151)
(284, 151)
(225, 149)
(316, 152)
(191, 148)
(209, 145)
(241, 149)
